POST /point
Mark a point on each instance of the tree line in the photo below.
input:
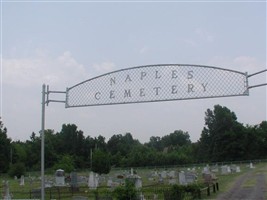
(223, 138)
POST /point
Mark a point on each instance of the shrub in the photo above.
(126, 192)
(17, 169)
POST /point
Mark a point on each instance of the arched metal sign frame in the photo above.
(149, 83)
(154, 83)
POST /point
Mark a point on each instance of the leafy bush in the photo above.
(178, 192)
(126, 192)
(17, 169)
(66, 163)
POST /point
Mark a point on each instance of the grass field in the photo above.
(150, 188)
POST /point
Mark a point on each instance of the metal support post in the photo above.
(42, 144)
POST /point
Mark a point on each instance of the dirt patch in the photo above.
(250, 186)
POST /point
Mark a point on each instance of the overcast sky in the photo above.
(64, 43)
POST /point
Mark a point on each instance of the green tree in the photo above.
(222, 135)
(5, 149)
(33, 151)
(51, 141)
(70, 141)
(155, 142)
(101, 162)
(177, 138)
(141, 155)
(18, 152)
(121, 143)
(66, 163)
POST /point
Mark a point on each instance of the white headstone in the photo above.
(138, 182)
(238, 169)
(160, 179)
(7, 196)
(163, 174)
(172, 174)
(142, 197)
(225, 169)
(182, 179)
(21, 180)
(109, 183)
(92, 181)
(228, 169)
(60, 177)
(96, 180)
(206, 170)
(215, 169)
(251, 166)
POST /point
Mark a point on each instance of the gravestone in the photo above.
(172, 174)
(160, 179)
(142, 197)
(215, 169)
(60, 177)
(225, 169)
(172, 181)
(190, 177)
(96, 180)
(6, 195)
(74, 181)
(163, 174)
(36, 193)
(135, 179)
(109, 182)
(235, 168)
(206, 170)
(182, 179)
(187, 178)
(93, 180)
(48, 184)
(172, 177)
(22, 180)
(251, 166)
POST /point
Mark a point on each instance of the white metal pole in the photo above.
(42, 143)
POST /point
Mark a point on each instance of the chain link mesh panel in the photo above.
(157, 83)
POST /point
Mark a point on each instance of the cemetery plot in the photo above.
(154, 184)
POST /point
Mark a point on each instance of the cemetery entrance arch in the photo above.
(150, 83)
